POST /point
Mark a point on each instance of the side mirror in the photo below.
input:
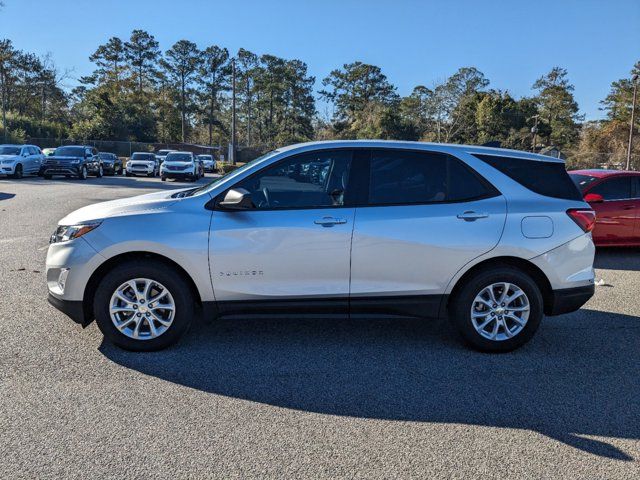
(593, 198)
(236, 199)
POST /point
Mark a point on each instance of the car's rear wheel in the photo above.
(17, 173)
(497, 309)
(143, 306)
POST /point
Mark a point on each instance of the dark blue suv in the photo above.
(73, 161)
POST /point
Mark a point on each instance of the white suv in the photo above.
(493, 239)
(181, 166)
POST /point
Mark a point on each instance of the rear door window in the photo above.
(544, 178)
(618, 188)
(404, 177)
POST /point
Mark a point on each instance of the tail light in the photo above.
(585, 219)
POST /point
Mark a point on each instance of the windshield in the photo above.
(142, 156)
(582, 181)
(69, 152)
(8, 150)
(178, 157)
(205, 157)
(229, 175)
(163, 152)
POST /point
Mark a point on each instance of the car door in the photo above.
(37, 157)
(427, 215)
(616, 215)
(293, 246)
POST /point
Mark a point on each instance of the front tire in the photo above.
(143, 305)
(83, 173)
(497, 309)
(17, 173)
(100, 173)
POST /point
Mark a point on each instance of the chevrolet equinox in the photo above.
(492, 238)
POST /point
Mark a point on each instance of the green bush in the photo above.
(225, 168)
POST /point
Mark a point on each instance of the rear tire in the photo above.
(508, 326)
(165, 276)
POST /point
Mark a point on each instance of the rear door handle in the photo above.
(330, 221)
(470, 216)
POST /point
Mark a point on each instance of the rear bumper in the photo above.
(569, 299)
(72, 309)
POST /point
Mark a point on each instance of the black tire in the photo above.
(83, 173)
(463, 300)
(18, 172)
(156, 271)
(127, 174)
(163, 178)
(47, 177)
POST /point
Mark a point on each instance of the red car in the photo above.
(615, 196)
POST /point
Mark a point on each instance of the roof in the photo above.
(603, 172)
(441, 147)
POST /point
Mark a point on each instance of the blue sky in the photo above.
(415, 42)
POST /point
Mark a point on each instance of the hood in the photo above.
(58, 157)
(9, 157)
(124, 206)
(179, 164)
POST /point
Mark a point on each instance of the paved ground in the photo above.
(305, 398)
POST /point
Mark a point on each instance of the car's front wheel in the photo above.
(83, 173)
(143, 306)
(497, 309)
(17, 173)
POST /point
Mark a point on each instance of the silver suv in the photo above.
(494, 239)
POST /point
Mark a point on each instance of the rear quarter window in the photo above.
(544, 178)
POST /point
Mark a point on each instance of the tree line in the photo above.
(137, 92)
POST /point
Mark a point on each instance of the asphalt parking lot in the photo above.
(305, 398)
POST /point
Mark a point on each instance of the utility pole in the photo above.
(534, 130)
(634, 80)
(233, 112)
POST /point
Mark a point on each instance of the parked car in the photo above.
(162, 154)
(208, 163)
(143, 163)
(391, 228)
(182, 166)
(47, 152)
(111, 164)
(78, 161)
(615, 197)
(19, 160)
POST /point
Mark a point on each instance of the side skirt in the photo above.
(426, 306)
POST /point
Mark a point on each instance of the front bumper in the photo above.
(7, 169)
(140, 170)
(569, 299)
(72, 309)
(171, 174)
(60, 170)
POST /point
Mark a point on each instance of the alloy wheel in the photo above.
(142, 309)
(500, 311)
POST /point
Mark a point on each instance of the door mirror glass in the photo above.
(237, 199)
(593, 198)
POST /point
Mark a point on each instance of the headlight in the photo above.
(64, 233)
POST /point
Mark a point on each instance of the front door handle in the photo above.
(329, 221)
(471, 216)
